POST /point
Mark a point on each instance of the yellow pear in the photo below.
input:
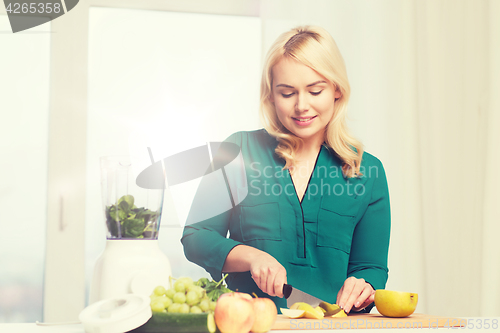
(329, 309)
(320, 309)
(395, 303)
(292, 313)
(310, 312)
(341, 313)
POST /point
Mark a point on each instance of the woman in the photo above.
(317, 211)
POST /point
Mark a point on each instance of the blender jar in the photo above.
(131, 212)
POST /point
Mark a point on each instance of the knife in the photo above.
(294, 295)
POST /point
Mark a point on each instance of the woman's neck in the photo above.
(310, 147)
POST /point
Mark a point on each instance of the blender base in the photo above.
(127, 266)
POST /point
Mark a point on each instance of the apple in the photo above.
(265, 314)
(395, 303)
(234, 313)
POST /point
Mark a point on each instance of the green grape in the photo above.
(192, 298)
(195, 309)
(174, 308)
(179, 298)
(170, 293)
(204, 305)
(166, 302)
(190, 287)
(157, 306)
(154, 297)
(179, 286)
(184, 308)
(186, 280)
(160, 291)
(212, 306)
(200, 291)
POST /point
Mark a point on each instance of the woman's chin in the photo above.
(308, 136)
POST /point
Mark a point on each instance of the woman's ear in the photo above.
(338, 94)
(271, 97)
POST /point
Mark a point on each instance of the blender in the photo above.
(132, 261)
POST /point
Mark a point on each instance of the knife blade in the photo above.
(294, 295)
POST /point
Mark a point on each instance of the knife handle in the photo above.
(287, 290)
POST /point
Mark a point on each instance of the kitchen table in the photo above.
(473, 325)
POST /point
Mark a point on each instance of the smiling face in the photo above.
(304, 99)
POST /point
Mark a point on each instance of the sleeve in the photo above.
(205, 242)
(370, 243)
(206, 245)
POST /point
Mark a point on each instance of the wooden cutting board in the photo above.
(364, 320)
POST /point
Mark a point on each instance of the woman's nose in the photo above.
(302, 104)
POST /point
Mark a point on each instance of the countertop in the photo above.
(474, 324)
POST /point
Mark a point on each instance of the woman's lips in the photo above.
(303, 121)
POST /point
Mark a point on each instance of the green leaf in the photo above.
(148, 215)
(215, 289)
(106, 211)
(202, 282)
(124, 206)
(136, 222)
(122, 215)
(128, 199)
(112, 213)
(112, 227)
(132, 228)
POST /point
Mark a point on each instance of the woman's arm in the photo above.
(205, 234)
(206, 245)
(267, 272)
(367, 268)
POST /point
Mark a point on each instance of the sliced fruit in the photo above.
(341, 313)
(310, 312)
(320, 309)
(293, 313)
(330, 309)
(211, 326)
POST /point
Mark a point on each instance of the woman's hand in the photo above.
(268, 274)
(355, 294)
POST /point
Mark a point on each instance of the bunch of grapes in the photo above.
(183, 297)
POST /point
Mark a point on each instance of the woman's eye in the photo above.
(287, 95)
(316, 93)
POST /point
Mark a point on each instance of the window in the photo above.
(169, 81)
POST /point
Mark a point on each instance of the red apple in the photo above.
(234, 313)
(265, 314)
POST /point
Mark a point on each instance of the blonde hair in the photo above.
(315, 48)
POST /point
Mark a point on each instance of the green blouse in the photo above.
(340, 229)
